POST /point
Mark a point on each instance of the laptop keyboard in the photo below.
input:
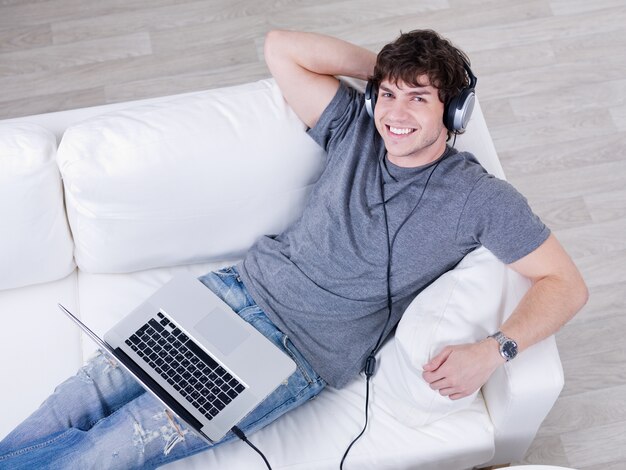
(185, 366)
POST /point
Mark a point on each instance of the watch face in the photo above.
(509, 349)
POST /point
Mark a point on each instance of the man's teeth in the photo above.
(397, 130)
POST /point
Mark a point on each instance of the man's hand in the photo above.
(458, 371)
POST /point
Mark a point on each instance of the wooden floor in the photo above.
(552, 83)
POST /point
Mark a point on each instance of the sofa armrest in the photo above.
(519, 396)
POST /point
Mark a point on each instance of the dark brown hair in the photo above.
(422, 52)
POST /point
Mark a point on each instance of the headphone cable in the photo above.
(239, 433)
(370, 363)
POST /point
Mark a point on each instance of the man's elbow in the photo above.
(578, 292)
(274, 40)
(582, 296)
(271, 38)
(572, 290)
(268, 46)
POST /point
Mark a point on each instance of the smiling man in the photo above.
(394, 209)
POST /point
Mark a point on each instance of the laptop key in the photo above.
(225, 398)
(208, 360)
(155, 324)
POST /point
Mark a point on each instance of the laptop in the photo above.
(196, 356)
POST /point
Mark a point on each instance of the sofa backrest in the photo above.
(194, 179)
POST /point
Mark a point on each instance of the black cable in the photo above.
(239, 433)
(367, 399)
(370, 363)
(371, 360)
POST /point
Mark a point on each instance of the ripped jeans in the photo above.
(103, 419)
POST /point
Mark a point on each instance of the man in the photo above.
(394, 209)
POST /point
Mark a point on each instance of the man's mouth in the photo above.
(400, 130)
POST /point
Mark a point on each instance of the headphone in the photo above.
(457, 111)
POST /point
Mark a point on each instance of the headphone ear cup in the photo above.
(448, 113)
(370, 98)
(459, 110)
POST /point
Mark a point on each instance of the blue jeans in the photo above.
(103, 419)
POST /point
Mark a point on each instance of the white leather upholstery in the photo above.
(162, 188)
(39, 348)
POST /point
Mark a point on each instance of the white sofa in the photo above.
(136, 192)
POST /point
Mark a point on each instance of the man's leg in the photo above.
(143, 435)
(133, 437)
(98, 389)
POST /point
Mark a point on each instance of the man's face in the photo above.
(410, 121)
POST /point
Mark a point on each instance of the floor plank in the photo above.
(552, 157)
(608, 440)
(55, 57)
(23, 38)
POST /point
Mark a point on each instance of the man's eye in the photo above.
(387, 95)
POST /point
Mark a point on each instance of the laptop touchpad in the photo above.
(222, 330)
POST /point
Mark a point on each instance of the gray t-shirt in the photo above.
(323, 281)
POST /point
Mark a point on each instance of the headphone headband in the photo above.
(472, 78)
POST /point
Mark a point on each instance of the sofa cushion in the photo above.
(215, 170)
(38, 345)
(35, 242)
(464, 305)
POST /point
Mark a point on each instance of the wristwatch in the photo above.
(508, 347)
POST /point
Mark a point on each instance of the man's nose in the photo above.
(398, 110)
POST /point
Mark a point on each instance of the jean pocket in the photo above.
(253, 315)
(228, 275)
(227, 285)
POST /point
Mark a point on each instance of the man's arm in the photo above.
(305, 66)
(557, 293)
